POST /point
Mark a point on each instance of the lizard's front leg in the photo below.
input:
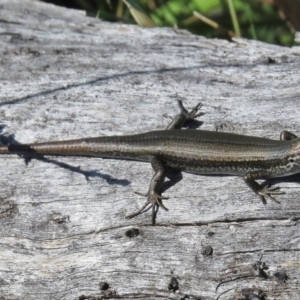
(154, 197)
(266, 192)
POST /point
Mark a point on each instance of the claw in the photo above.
(168, 116)
(195, 109)
(193, 114)
(159, 203)
(267, 192)
(141, 210)
(141, 194)
(153, 201)
(275, 190)
(154, 212)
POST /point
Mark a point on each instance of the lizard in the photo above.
(195, 151)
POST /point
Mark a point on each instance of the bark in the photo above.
(63, 232)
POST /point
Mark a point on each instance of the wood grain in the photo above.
(63, 232)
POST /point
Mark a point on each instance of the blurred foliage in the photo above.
(256, 19)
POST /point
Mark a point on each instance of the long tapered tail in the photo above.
(51, 148)
(80, 147)
(128, 147)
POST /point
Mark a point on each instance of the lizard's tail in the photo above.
(17, 149)
(126, 147)
(67, 148)
(4, 150)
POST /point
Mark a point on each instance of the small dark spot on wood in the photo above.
(271, 60)
(7, 208)
(263, 274)
(131, 233)
(58, 51)
(210, 234)
(252, 294)
(26, 51)
(58, 218)
(207, 251)
(44, 68)
(103, 286)
(17, 38)
(261, 266)
(185, 297)
(281, 277)
(173, 285)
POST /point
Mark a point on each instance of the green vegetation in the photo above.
(254, 19)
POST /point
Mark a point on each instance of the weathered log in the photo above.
(63, 232)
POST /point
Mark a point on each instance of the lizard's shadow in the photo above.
(10, 140)
(290, 178)
(174, 175)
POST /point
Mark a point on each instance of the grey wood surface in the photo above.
(63, 231)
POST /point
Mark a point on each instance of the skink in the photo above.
(196, 151)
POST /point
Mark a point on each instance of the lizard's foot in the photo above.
(193, 113)
(267, 192)
(190, 115)
(153, 201)
(178, 121)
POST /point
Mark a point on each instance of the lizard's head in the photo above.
(293, 157)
